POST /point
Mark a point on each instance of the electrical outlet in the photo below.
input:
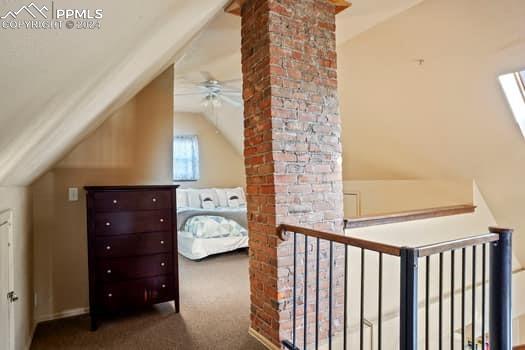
(73, 194)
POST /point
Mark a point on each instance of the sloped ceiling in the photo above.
(444, 117)
(217, 50)
(57, 85)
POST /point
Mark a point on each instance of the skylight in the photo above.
(514, 88)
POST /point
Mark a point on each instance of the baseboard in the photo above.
(62, 314)
(262, 339)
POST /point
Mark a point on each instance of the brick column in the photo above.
(292, 150)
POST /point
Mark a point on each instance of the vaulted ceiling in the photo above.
(216, 50)
(57, 85)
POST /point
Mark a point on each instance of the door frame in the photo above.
(357, 195)
(6, 220)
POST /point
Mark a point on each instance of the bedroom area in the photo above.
(177, 133)
(208, 161)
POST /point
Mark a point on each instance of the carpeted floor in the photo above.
(214, 315)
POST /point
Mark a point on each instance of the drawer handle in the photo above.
(110, 295)
(108, 223)
(162, 264)
(108, 247)
(108, 272)
(115, 201)
(162, 242)
(163, 286)
(161, 220)
(154, 200)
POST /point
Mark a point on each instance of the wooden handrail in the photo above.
(339, 238)
(382, 219)
(442, 247)
(421, 251)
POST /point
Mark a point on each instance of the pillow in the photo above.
(240, 193)
(207, 200)
(194, 200)
(182, 199)
(233, 199)
(223, 197)
(222, 200)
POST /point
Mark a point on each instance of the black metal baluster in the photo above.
(427, 303)
(440, 341)
(483, 296)
(452, 296)
(305, 286)
(380, 305)
(474, 297)
(330, 297)
(317, 295)
(294, 285)
(463, 279)
(362, 317)
(346, 299)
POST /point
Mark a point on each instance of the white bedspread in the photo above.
(198, 248)
(209, 226)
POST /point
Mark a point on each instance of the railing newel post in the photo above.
(408, 324)
(500, 291)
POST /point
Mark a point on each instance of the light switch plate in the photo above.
(73, 194)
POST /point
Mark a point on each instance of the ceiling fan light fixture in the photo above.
(212, 100)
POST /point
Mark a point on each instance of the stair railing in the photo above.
(497, 304)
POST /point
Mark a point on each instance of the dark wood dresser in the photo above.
(132, 243)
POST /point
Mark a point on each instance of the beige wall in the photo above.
(18, 199)
(390, 196)
(134, 146)
(221, 164)
(446, 118)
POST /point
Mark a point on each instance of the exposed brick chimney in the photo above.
(292, 152)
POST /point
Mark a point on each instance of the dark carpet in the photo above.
(214, 315)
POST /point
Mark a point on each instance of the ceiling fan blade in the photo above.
(233, 92)
(188, 88)
(189, 94)
(184, 79)
(231, 81)
(232, 101)
(207, 75)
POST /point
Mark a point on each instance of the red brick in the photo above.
(292, 144)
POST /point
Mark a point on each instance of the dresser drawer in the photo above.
(131, 200)
(136, 293)
(142, 244)
(118, 269)
(132, 222)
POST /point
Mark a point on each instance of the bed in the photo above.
(211, 221)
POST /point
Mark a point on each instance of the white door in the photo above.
(7, 296)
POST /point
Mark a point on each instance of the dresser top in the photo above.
(130, 188)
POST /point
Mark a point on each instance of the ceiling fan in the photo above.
(213, 91)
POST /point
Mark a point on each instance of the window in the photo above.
(186, 158)
(514, 88)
